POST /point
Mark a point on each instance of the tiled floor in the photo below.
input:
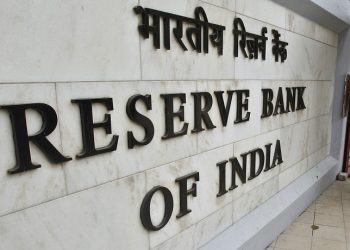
(324, 225)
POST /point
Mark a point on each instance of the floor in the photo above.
(323, 225)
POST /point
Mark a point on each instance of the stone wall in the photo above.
(53, 52)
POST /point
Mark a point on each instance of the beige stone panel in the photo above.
(69, 41)
(177, 64)
(105, 217)
(205, 203)
(92, 171)
(22, 190)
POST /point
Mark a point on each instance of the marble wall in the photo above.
(55, 52)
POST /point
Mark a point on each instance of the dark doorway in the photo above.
(346, 113)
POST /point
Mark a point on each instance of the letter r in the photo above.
(21, 137)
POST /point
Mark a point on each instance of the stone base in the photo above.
(259, 228)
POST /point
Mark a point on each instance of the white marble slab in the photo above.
(69, 41)
(316, 157)
(318, 133)
(227, 4)
(245, 146)
(327, 36)
(309, 59)
(22, 190)
(180, 7)
(183, 240)
(105, 217)
(257, 68)
(91, 171)
(231, 132)
(214, 224)
(300, 24)
(177, 64)
(200, 233)
(251, 200)
(320, 96)
(308, 28)
(282, 120)
(292, 173)
(294, 141)
(263, 10)
(206, 201)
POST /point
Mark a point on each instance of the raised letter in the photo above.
(140, 119)
(240, 170)
(267, 103)
(146, 204)
(222, 178)
(300, 103)
(202, 113)
(253, 172)
(242, 106)
(145, 28)
(88, 126)
(268, 152)
(279, 47)
(224, 111)
(21, 137)
(170, 115)
(279, 103)
(277, 157)
(184, 192)
(291, 95)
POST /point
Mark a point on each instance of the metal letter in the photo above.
(184, 192)
(146, 205)
(279, 103)
(88, 126)
(253, 172)
(268, 152)
(142, 120)
(170, 115)
(224, 111)
(240, 170)
(222, 178)
(21, 137)
(291, 95)
(277, 157)
(202, 113)
(300, 103)
(267, 103)
(242, 105)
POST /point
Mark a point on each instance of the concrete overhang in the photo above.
(332, 14)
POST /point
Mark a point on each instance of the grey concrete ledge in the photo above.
(260, 227)
(316, 13)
